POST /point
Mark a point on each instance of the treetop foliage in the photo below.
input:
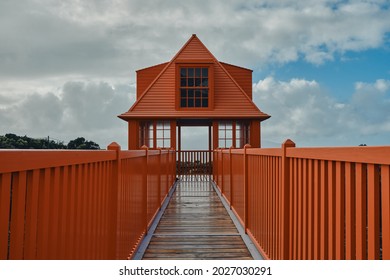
(13, 141)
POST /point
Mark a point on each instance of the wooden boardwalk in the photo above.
(196, 225)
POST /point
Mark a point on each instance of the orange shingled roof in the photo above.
(230, 99)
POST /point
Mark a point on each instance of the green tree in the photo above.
(81, 144)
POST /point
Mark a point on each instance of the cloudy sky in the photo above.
(321, 67)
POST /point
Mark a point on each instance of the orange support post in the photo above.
(113, 200)
(159, 178)
(361, 211)
(373, 212)
(284, 203)
(385, 178)
(230, 177)
(145, 189)
(246, 205)
(17, 216)
(340, 211)
(5, 200)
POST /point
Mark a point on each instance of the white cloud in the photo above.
(114, 38)
(303, 111)
(87, 109)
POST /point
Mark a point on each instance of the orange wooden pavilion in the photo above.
(194, 89)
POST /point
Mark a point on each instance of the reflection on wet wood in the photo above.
(196, 225)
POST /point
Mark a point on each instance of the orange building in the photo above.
(194, 89)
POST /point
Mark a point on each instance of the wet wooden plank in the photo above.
(196, 225)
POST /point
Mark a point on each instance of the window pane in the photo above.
(183, 72)
(183, 102)
(167, 133)
(167, 143)
(205, 102)
(160, 133)
(205, 72)
(228, 125)
(197, 72)
(197, 102)
(197, 82)
(205, 93)
(191, 102)
(205, 82)
(229, 134)
(183, 82)
(190, 93)
(160, 143)
(239, 143)
(228, 143)
(190, 72)
(183, 93)
(197, 93)
(221, 143)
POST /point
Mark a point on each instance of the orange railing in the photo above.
(80, 204)
(310, 203)
(194, 163)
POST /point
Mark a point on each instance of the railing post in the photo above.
(172, 160)
(246, 209)
(145, 188)
(230, 177)
(159, 178)
(115, 183)
(284, 201)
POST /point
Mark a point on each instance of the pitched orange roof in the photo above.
(230, 99)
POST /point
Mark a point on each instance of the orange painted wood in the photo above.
(242, 76)
(350, 211)
(54, 213)
(18, 216)
(5, 201)
(373, 212)
(227, 98)
(71, 217)
(324, 211)
(291, 209)
(361, 212)
(20, 160)
(316, 212)
(374, 155)
(63, 223)
(331, 210)
(385, 178)
(305, 210)
(300, 210)
(31, 224)
(310, 193)
(340, 211)
(295, 206)
(146, 76)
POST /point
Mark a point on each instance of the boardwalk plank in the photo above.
(196, 225)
